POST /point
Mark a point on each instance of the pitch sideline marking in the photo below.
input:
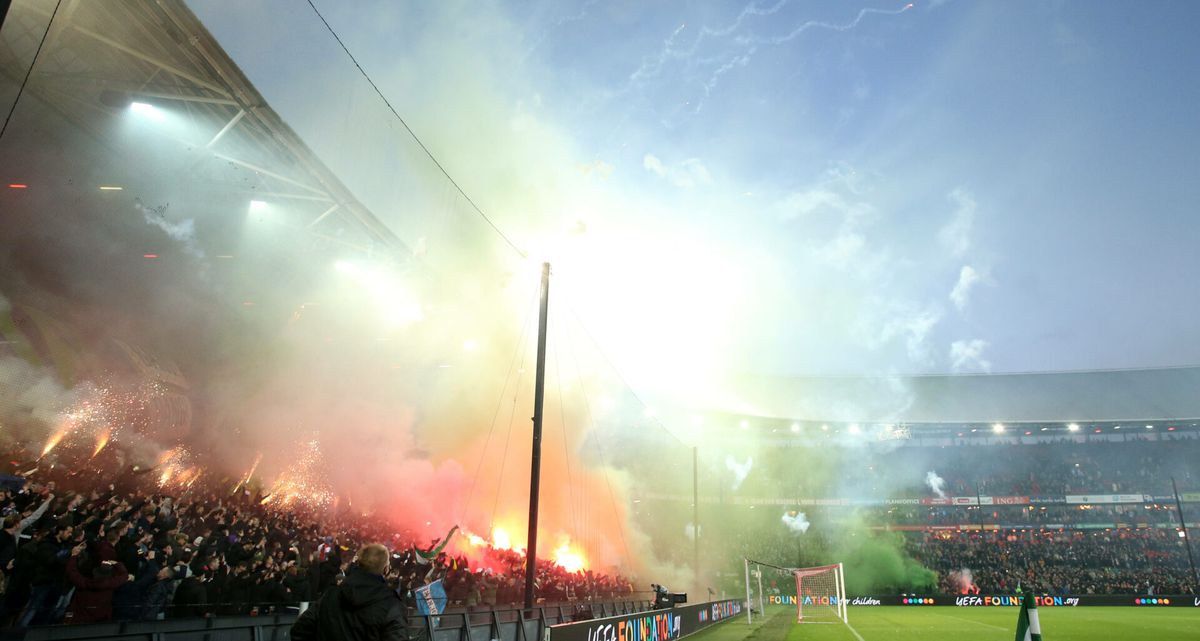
(854, 632)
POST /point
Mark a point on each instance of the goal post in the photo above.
(818, 593)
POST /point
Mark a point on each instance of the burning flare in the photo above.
(568, 559)
(500, 539)
(102, 440)
(54, 440)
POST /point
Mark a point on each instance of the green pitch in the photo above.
(977, 624)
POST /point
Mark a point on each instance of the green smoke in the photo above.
(876, 562)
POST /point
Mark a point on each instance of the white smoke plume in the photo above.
(936, 483)
(797, 522)
(183, 232)
(29, 394)
(740, 470)
(964, 581)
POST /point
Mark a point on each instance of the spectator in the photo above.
(362, 607)
(158, 595)
(94, 586)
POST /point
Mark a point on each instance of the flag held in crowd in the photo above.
(425, 556)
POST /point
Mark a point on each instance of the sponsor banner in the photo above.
(654, 625)
(1076, 499)
(1047, 500)
(1006, 500)
(809, 599)
(1190, 497)
(1013, 600)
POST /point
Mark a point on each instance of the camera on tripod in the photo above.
(664, 598)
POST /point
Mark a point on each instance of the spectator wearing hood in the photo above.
(94, 587)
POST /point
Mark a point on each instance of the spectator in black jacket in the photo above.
(191, 597)
(362, 607)
(158, 595)
(48, 576)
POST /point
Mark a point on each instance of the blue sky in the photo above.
(803, 187)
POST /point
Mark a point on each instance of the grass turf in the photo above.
(982, 624)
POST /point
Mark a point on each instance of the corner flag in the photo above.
(1028, 628)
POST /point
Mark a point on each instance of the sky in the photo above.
(783, 187)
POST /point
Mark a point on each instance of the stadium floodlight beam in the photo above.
(795, 428)
(744, 424)
(147, 110)
(998, 428)
(1073, 427)
(854, 429)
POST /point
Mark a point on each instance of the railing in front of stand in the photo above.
(514, 624)
(481, 623)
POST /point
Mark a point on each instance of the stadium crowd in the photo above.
(1068, 467)
(1150, 561)
(72, 552)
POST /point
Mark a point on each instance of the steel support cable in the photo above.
(413, 134)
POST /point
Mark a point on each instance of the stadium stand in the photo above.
(77, 550)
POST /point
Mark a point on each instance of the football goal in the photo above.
(818, 593)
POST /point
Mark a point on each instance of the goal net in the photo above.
(817, 593)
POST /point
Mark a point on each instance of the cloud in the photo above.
(844, 249)
(955, 236)
(685, 175)
(806, 202)
(961, 294)
(847, 245)
(967, 355)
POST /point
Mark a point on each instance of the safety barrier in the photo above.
(514, 624)
(456, 624)
(1000, 600)
(667, 624)
(274, 627)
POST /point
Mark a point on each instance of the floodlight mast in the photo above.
(535, 475)
(1187, 540)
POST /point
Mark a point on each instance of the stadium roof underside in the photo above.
(1115, 395)
(101, 57)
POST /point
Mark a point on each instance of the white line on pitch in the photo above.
(855, 632)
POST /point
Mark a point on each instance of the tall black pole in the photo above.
(1187, 540)
(696, 520)
(5, 5)
(535, 472)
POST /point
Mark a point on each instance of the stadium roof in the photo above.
(1167, 393)
(99, 58)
